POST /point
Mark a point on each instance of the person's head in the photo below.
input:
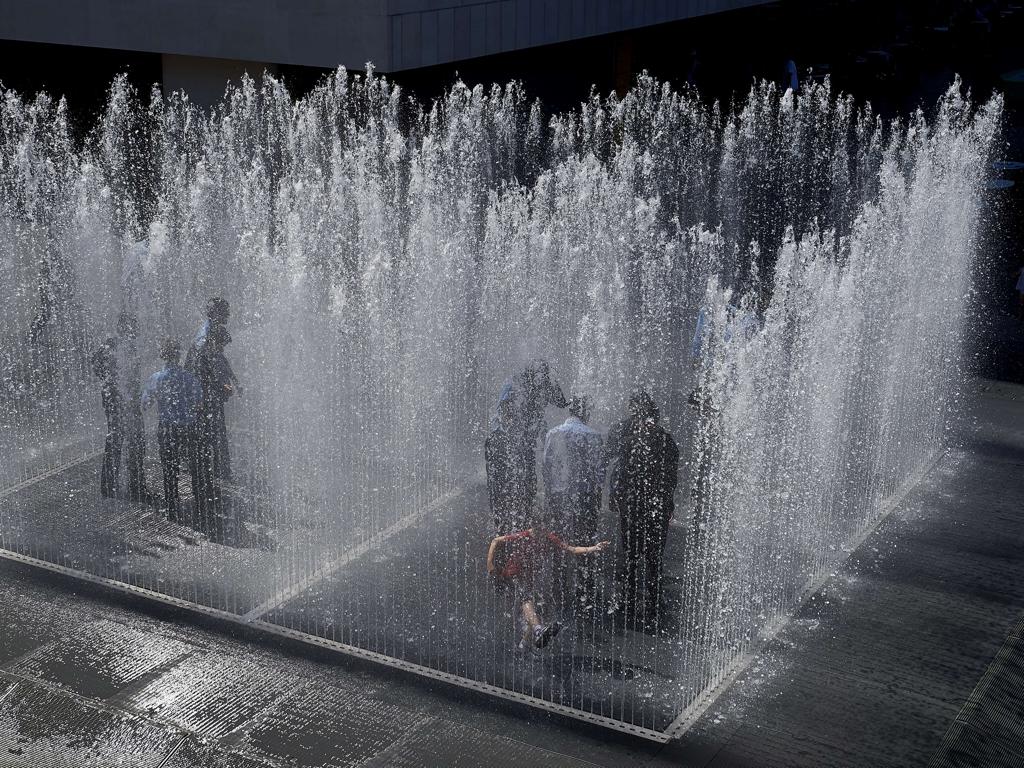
(579, 406)
(218, 310)
(641, 405)
(170, 351)
(127, 325)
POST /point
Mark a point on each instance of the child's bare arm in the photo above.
(600, 546)
(490, 552)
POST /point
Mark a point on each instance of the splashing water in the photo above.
(388, 267)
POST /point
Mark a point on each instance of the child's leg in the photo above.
(530, 620)
(535, 633)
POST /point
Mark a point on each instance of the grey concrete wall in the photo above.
(393, 34)
(426, 32)
(322, 33)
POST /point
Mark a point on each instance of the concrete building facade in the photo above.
(393, 34)
(205, 42)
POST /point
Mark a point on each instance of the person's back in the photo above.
(218, 311)
(643, 456)
(128, 369)
(614, 451)
(177, 394)
(573, 476)
(208, 363)
(643, 483)
(573, 458)
(648, 465)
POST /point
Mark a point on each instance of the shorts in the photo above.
(521, 589)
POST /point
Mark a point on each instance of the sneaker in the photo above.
(544, 635)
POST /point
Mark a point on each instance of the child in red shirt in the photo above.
(526, 552)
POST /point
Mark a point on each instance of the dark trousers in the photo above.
(203, 489)
(524, 468)
(643, 533)
(110, 474)
(177, 449)
(216, 436)
(135, 460)
(573, 515)
(204, 467)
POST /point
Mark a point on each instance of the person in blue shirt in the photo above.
(573, 471)
(177, 395)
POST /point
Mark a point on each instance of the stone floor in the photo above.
(910, 652)
(418, 592)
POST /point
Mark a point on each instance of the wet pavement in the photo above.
(441, 613)
(415, 591)
(876, 669)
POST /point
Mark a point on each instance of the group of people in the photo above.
(191, 428)
(530, 553)
(531, 550)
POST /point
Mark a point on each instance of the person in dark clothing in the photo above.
(644, 465)
(45, 308)
(177, 394)
(129, 384)
(521, 404)
(207, 362)
(504, 493)
(212, 467)
(104, 367)
(217, 313)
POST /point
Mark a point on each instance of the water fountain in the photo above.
(389, 266)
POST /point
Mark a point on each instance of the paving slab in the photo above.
(101, 659)
(322, 726)
(211, 695)
(42, 728)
